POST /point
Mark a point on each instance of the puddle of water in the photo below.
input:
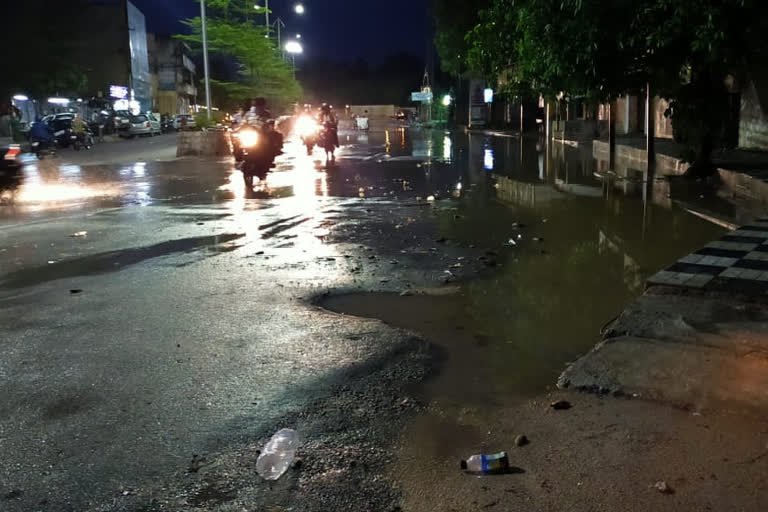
(581, 248)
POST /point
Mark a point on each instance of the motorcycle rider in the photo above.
(259, 117)
(79, 127)
(258, 113)
(238, 118)
(330, 123)
(42, 133)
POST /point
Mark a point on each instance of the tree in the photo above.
(39, 49)
(684, 48)
(453, 19)
(261, 70)
(692, 47)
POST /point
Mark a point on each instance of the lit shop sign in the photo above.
(118, 91)
(488, 95)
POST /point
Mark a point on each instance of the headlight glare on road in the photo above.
(249, 138)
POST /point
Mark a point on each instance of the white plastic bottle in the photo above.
(278, 454)
(496, 463)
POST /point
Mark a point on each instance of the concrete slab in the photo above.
(685, 375)
(698, 352)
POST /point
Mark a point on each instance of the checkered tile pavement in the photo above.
(737, 262)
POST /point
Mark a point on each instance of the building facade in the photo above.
(174, 75)
(114, 54)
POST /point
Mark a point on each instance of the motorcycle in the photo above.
(257, 149)
(42, 148)
(63, 138)
(308, 129)
(82, 141)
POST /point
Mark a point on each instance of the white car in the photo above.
(144, 124)
(179, 125)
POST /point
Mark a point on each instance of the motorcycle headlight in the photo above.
(249, 138)
(306, 126)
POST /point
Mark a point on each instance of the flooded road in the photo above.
(160, 310)
(565, 252)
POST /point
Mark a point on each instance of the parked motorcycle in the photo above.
(308, 129)
(257, 148)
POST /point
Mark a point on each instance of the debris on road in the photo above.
(79, 234)
(75, 291)
(560, 405)
(486, 464)
(278, 454)
(663, 488)
(12, 495)
(521, 440)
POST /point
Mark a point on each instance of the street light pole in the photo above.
(280, 25)
(205, 61)
(293, 48)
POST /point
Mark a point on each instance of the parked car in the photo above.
(183, 121)
(64, 116)
(144, 124)
(62, 131)
(122, 121)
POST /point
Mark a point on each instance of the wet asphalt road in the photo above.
(158, 320)
(156, 315)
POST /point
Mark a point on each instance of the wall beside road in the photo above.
(374, 111)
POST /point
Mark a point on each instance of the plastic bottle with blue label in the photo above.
(487, 464)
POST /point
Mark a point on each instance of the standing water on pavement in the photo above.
(565, 249)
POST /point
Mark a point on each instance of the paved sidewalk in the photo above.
(738, 262)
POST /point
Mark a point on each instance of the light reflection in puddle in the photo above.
(488, 160)
(296, 192)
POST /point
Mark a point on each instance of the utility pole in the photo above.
(209, 107)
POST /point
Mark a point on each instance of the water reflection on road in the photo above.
(569, 249)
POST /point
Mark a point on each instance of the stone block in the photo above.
(204, 143)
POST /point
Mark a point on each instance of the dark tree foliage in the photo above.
(39, 40)
(453, 19)
(358, 82)
(600, 49)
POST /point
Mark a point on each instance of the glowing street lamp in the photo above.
(447, 100)
(294, 47)
(299, 8)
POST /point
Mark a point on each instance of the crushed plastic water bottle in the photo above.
(278, 454)
(486, 464)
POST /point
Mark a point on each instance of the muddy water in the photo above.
(570, 250)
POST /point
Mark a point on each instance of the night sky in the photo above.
(371, 29)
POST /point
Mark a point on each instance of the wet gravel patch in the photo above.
(347, 445)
